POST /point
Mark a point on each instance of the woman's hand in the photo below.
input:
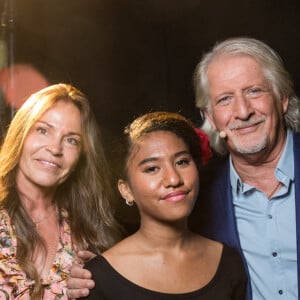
(79, 283)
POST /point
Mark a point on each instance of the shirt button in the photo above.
(275, 254)
(270, 217)
(280, 292)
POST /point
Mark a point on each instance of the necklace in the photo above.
(36, 223)
(51, 254)
(44, 261)
(274, 190)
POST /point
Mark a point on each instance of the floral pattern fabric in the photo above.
(14, 284)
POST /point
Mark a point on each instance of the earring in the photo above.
(129, 203)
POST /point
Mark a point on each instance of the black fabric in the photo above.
(229, 282)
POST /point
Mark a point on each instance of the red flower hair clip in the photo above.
(205, 146)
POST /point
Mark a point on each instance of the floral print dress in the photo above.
(14, 284)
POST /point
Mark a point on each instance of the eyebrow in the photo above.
(258, 84)
(151, 159)
(51, 126)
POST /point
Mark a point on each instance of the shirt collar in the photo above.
(285, 166)
(284, 171)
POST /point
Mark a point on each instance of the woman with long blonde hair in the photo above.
(55, 193)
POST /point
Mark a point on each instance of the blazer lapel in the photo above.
(225, 225)
(297, 197)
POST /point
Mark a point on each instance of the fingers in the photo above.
(85, 255)
(77, 293)
(78, 272)
(79, 283)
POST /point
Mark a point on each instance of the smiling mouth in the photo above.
(175, 196)
(247, 125)
(48, 163)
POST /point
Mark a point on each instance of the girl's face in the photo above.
(162, 177)
(52, 148)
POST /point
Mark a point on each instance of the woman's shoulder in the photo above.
(221, 251)
(209, 246)
(126, 246)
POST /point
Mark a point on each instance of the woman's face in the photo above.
(162, 177)
(52, 148)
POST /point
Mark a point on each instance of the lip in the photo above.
(247, 125)
(248, 128)
(49, 164)
(175, 196)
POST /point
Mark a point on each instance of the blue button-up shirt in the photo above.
(267, 231)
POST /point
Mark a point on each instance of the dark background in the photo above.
(133, 56)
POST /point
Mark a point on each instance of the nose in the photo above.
(172, 177)
(243, 108)
(55, 147)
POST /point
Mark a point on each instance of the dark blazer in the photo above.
(213, 215)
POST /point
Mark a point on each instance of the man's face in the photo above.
(243, 104)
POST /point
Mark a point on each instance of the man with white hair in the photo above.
(251, 198)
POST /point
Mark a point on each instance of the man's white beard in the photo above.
(250, 147)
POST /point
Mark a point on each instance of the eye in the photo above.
(183, 162)
(41, 130)
(73, 141)
(151, 169)
(224, 100)
(254, 92)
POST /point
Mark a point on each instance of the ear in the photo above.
(125, 190)
(208, 116)
(285, 103)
